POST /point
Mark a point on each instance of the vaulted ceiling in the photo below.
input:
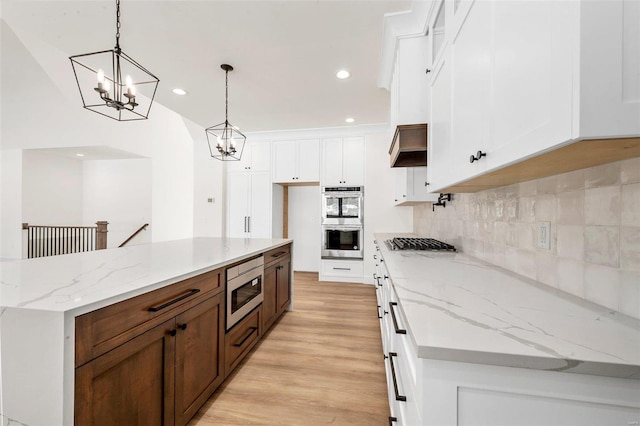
(285, 54)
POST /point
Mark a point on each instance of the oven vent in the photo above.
(409, 146)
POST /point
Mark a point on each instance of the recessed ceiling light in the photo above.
(350, 120)
(79, 155)
(179, 91)
(342, 74)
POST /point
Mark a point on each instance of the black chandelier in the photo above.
(225, 141)
(114, 85)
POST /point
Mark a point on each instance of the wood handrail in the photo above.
(52, 240)
(143, 227)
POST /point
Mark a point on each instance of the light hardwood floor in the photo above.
(320, 364)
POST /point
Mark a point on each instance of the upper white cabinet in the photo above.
(256, 157)
(512, 79)
(343, 161)
(410, 85)
(411, 186)
(296, 161)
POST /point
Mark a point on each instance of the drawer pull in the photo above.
(341, 269)
(182, 326)
(241, 342)
(392, 420)
(379, 316)
(395, 320)
(393, 376)
(278, 254)
(189, 293)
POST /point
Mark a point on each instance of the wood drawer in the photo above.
(104, 329)
(242, 337)
(277, 254)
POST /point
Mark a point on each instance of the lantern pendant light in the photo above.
(113, 84)
(226, 142)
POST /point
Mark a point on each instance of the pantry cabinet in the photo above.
(256, 157)
(343, 161)
(515, 79)
(249, 205)
(296, 161)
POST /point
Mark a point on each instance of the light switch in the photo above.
(544, 235)
(211, 200)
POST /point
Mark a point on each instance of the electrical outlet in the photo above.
(211, 200)
(544, 235)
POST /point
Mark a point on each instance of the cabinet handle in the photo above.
(341, 269)
(245, 224)
(392, 419)
(375, 257)
(379, 316)
(278, 254)
(182, 326)
(172, 332)
(395, 380)
(189, 293)
(395, 320)
(477, 157)
(251, 331)
(248, 223)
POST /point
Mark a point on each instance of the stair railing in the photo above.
(51, 240)
(142, 228)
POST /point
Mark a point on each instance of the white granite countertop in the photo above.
(86, 281)
(459, 308)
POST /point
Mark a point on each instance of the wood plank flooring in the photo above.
(320, 364)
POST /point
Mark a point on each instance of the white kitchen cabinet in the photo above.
(411, 186)
(341, 270)
(296, 161)
(249, 205)
(410, 89)
(256, 157)
(343, 161)
(516, 79)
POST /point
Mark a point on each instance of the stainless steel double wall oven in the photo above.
(342, 222)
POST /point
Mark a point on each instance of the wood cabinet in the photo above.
(518, 79)
(167, 367)
(249, 213)
(296, 161)
(242, 338)
(277, 285)
(411, 186)
(343, 161)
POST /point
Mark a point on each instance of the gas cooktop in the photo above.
(418, 244)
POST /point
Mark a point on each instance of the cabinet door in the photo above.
(308, 161)
(259, 223)
(284, 162)
(199, 356)
(353, 161)
(332, 162)
(245, 161)
(237, 204)
(270, 302)
(132, 384)
(260, 156)
(440, 153)
(284, 293)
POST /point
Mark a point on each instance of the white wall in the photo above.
(304, 227)
(51, 189)
(118, 191)
(11, 204)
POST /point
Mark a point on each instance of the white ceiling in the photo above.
(285, 54)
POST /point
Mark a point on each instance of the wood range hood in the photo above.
(409, 146)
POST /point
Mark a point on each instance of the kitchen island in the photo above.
(471, 343)
(41, 300)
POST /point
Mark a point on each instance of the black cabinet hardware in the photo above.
(241, 342)
(393, 376)
(395, 320)
(176, 300)
(427, 71)
(392, 420)
(477, 157)
(172, 332)
(182, 326)
(379, 316)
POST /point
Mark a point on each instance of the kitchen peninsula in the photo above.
(45, 300)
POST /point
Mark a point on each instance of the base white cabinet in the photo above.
(341, 270)
(249, 204)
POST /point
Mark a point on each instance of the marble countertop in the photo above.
(459, 308)
(83, 282)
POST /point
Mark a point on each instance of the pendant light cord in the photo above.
(117, 24)
(226, 97)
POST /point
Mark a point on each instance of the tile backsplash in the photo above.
(595, 231)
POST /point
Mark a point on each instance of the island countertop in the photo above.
(459, 308)
(78, 283)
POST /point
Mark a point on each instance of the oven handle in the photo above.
(189, 293)
(251, 331)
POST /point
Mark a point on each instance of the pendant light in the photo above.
(113, 84)
(225, 141)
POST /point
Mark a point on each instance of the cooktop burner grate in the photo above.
(420, 244)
